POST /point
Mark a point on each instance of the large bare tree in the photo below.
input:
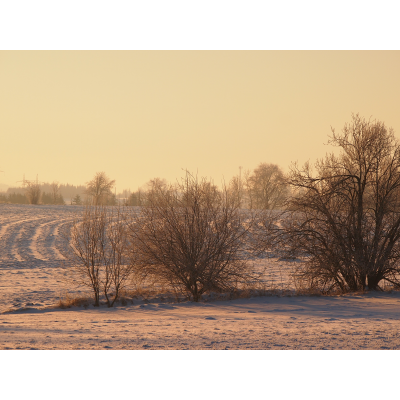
(345, 215)
(99, 188)
(191, 237)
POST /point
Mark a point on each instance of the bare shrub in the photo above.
(191, 237)
(236, 189)
(345, 217)
(98, 242)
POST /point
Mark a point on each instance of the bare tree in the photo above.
(55, 192)
(99, 188)
(266, 187)
(118, 268)
(98, 242)
(156, 184)
(190, 237)
(88, 241)
(32, 192)
(236, 189)
(247, 195)
(345, 217)
(151, 188)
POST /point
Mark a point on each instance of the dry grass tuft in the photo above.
(69, 301)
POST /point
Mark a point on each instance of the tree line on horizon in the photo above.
(55, 193)
(49, 193)
(263, 188)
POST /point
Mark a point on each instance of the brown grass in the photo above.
(69, 301)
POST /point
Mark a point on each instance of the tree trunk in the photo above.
(195, 293)
(96, 299)
(373, 281)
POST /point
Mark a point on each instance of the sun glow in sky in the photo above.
(136, 115)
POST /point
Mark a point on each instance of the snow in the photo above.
(34, 275)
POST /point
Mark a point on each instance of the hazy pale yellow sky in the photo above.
(136, 115)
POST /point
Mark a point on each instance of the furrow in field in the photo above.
(57, 242)
(25, 249)
(40, 242)
(36, 245)
(43, 241)
(11, 237)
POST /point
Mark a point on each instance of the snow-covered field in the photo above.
(33, 276)
(31, 273)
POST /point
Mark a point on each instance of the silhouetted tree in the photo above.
(345, 216)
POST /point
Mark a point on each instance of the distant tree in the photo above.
(60, 199)
(156, 184)
(99, 188)
(46, 198)
(13, 198)
(70, 191)
(151, 188)
(55, 193)
(235, 188)
(32, 192)
(111, 200)
(266, 187)
(77, 200)
(134, 199)
(238, 188)
(17, 198)
(16, 190)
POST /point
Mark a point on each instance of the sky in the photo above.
(137, 115)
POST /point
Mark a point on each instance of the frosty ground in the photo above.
(33, 277)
